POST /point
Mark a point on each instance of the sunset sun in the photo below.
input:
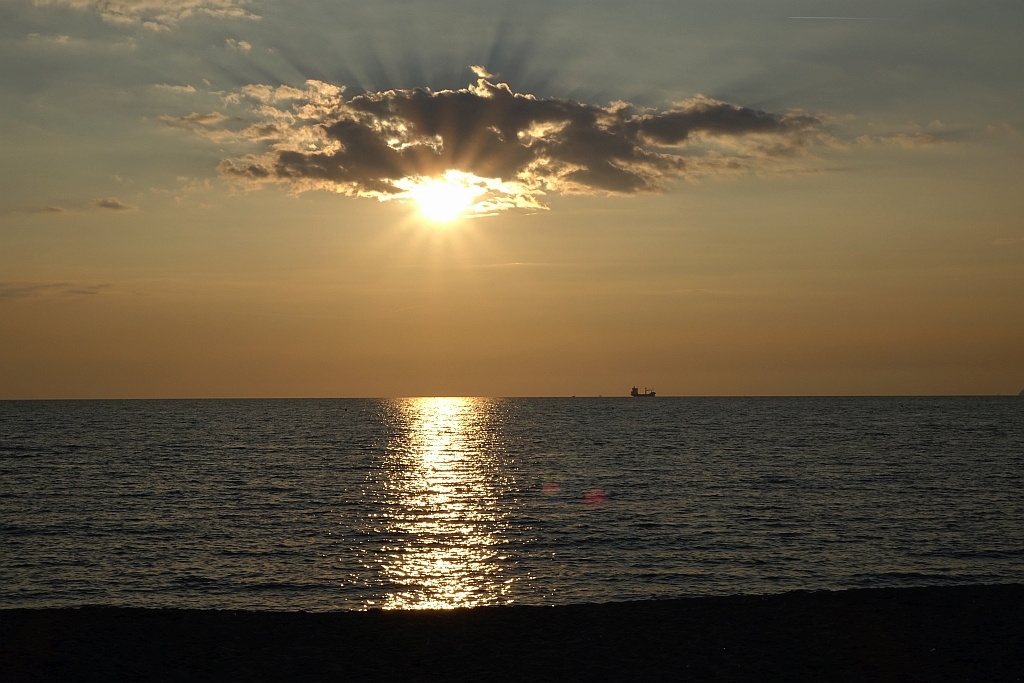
(444, 199)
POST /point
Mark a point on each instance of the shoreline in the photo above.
(947, 633)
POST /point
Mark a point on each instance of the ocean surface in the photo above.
(443, 502)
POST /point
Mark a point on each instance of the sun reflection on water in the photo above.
(442, 487)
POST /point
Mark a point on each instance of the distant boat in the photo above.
(646, 394)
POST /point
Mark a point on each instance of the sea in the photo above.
(354, 504)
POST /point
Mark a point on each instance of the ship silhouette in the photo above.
(646, 394)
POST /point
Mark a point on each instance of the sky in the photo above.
(231, 198)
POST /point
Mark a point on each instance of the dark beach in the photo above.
(956, 633)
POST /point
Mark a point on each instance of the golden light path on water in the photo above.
(443, 489)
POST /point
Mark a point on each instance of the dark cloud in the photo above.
(112, 204)
(378, 143)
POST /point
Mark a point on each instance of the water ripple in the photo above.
(350, 504)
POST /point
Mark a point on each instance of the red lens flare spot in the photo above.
(595, 497)
(550, 489)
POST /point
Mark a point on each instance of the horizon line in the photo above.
(546, 396)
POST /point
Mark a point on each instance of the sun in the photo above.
(444, 199)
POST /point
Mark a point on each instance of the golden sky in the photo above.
(216, 198)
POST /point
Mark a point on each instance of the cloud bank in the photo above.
(513, 147)
(159, 15)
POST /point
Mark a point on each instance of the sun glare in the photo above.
(444, 199)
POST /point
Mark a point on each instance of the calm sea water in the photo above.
(439, 502)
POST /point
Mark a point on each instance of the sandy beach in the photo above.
(960, 633)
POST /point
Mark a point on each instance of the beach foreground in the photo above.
(957, 633)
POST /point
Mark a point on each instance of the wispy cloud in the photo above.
(157, 15)
(62, 41)
(902, 140)
(1004, 130)
(59, 38)
(238, 45)
(194, 119)
(511, 147)
(112, 204)
(22, 290)
(840, 18)
(182, 89)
